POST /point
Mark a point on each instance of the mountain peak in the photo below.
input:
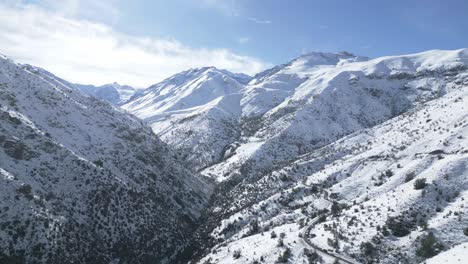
(312, 59)
(329, 54)
(197, 72)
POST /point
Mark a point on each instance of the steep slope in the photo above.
(270, 88)
(314, 155)
(371, 182)
(82, 181)
(338, 100)
(196, 112)
(290, 109)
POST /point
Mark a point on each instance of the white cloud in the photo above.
(85, 52)
(259, 21)
(227, 7)
(243, 40)
(102, 10)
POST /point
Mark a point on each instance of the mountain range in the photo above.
(82, 181)
(329, 157)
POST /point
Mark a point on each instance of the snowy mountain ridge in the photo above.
(194, 106)
(333, 93)
(388, 188)
(82, 180)
(329, 157)
(328, 132)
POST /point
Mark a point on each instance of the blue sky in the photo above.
(142, 42)
(372, 28)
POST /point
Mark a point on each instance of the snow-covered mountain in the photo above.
(369, 181)
(326, 129)
(396, 185)
(196, 111)
(329, 157)
(113, 93)
(290, 109)
(336, 100)
(82, 181)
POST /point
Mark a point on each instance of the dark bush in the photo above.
(280, 243)
(237, 254)
(385, 231)
(367, 249)
(420, 184)
(283, 258)
(254, 228)
(98, 163)
(389, 173)
(429, 246)
(312, 256)
(273, 234)
(409, 176)
(335, 208)
(26, 191)
(399, 227)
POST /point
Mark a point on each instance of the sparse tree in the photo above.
(429, 246)
(237, 254)
(273, 234)
(409, 176)
(420, 184)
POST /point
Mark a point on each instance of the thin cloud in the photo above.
(227, 7)
(103, 10)
(243, 40)
(87, 52)
(259, 21)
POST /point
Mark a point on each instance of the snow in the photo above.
(113, 93)
(194, 111)
(285, 146)
(76, 171)
(339, 124)
(457, 254)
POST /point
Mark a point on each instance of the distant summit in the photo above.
(114, 93)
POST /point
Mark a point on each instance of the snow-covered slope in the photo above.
(196, 111)
(330, 132)
(455, 255)
(271, 87)
(369, 182)
(337, 100)
(290, 109)
(276, 139)
(329, 156)
(82, 181)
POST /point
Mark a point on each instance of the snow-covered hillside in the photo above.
(290, 109)
(325, 132)
(196, 111)
(82, 181)
(329, 157)
(335, 101)
(388, 188)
